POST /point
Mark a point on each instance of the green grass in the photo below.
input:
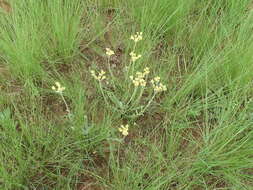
(196, 135)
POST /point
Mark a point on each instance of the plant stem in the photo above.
(131, 62)
(148, 104)
(133, 95)
(66, 105)
(101, 89)
(139, 97)
(109, 68)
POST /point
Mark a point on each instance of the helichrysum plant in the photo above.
(132, 106)
(58, 88)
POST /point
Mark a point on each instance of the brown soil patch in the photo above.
(5, 6)
(88, 183)
(54, 104)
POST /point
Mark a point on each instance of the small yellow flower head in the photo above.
(146, 71)
(157, 79)
(157, 85)
(93, 73)
(140, 79)
(58, 88)
(137, 37)
(124, 130)
(139, 82)
(139, 74)
(101, 75)
(134, 57)
(109, 52)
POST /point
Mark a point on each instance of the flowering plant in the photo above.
(139, 82)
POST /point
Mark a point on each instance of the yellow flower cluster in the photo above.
(146, 71)
(134, 56)
(109, 52)
(101, 75)
(124, 130)
(140, 80)
(58, 88)
(137, 37)
(157, 85)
